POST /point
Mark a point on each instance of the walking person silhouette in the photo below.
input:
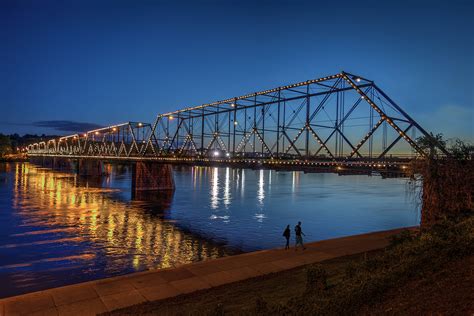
(299, 237)
(287, 233)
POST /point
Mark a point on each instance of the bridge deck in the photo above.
(396, 166)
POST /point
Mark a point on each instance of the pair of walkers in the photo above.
(298, 234)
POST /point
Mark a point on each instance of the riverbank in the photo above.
(100, 296)
(447, 291)
(14, 158)
(429, 273)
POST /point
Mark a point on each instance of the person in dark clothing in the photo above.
(287, 233)
(299, 236)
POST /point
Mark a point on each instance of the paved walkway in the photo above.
(99, 296)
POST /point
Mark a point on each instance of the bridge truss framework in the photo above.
(339, 117)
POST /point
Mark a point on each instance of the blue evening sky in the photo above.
(105, 62)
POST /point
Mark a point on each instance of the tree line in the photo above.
(14, 143)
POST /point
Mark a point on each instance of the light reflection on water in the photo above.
(248, 209)
(60, 229)
(56, 228)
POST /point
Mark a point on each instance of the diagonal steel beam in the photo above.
(354, 106)
(394, 142)
(348, 142)
(320, 141)
(291, 144)
(433, 140)
(383, 115)
(324, 100)
(175, 134)
(369, 134)
(263, 142)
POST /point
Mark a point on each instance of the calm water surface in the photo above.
(57, 228)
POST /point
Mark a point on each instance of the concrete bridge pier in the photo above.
(55, 163)
(39, 161)
(45, 162)
(90, 167)
(152, 179)
(64, 164)
(48, 162)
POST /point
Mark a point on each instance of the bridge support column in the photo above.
(151, 176)
(64, 164)
(48, 162)
(90, 167)
(39, 161)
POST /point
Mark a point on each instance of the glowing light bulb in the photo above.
(216, 153)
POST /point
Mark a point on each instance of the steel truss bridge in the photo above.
(338, 119)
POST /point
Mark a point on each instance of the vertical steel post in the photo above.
(342, 114)
(283, 125)
(245, 130)
(254, 123)
(177, 130)
(307, 123)
(338, 136)
(263, 127)
(228, 133)
(371, 123)
(278, 127)
(202, 132)
(235, 126)
(168, 132)
(216, 128)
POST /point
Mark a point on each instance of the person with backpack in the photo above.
(286, 234)
(299, 236)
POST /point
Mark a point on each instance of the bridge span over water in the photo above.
(342, 121)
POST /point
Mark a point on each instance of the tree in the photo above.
(461, 150)
(429, 144)
(5, 145)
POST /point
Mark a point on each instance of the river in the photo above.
(57, 228)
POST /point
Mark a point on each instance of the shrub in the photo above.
(218, 310)
(404, 236)
(316, 279)
(261, 306)
(366, 281)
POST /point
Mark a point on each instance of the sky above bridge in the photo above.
(72, 65)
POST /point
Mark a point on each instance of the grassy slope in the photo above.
(449, 291)
(427, 273)
(237, 297)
